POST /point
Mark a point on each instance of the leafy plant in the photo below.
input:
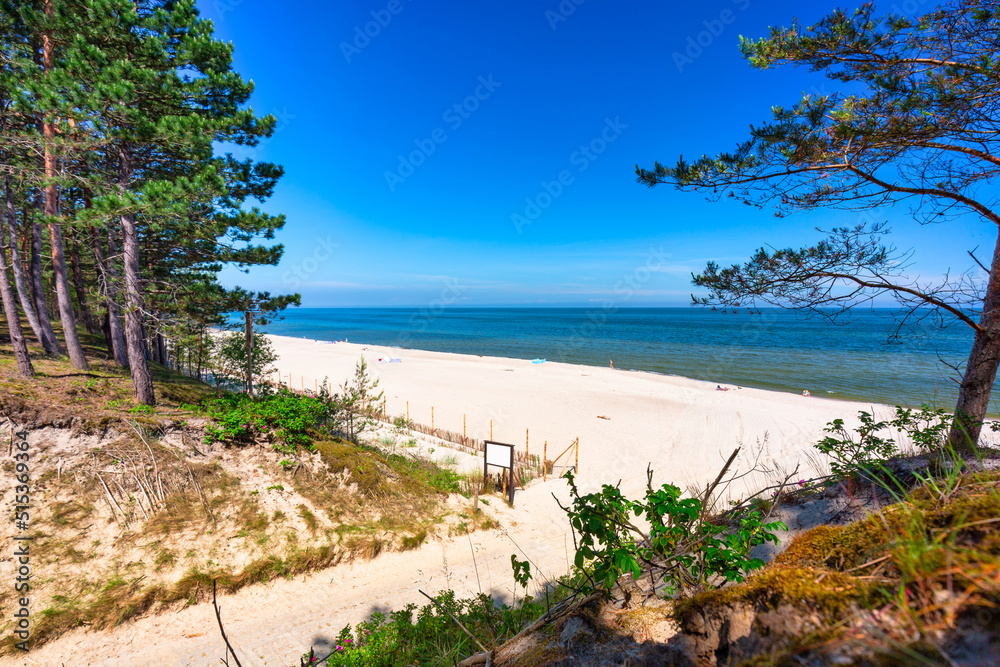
(429, 636)
(681, 547)
(867, 447)
(522, 571)
(283, 417)
(852, 453)
(927, 428)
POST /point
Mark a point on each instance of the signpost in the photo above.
(501, 455)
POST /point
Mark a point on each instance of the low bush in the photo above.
(282, 417)
(866, 448)
(682, 546)
(428, 636)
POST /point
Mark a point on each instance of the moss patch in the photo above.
(829, 593)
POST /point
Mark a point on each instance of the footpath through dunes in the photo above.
(273, 624)
(684, 429)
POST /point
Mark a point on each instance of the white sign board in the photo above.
(499, 455)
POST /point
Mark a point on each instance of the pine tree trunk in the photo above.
(65, 305)
(201, 351)
(49, 339)
(79, 286)
(106, 329)
(981, 369)
(24, 297)
(70, 335)
(142, 381)
(115, 327)
(145, 340)
(161, 350)
(24, 367)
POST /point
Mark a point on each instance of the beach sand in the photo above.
(625, 420)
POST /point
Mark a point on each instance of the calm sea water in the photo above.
(776, 349)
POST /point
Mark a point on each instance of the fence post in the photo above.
(526, 448)
(465, 440)
(407, 412)
(432, 420)
(545, 463)
(491, 429)
(576, 465)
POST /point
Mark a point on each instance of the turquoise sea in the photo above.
(775, 349)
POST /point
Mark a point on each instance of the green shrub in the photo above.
(428, 636)
(867, 448)
(283, 417)
(682, 545)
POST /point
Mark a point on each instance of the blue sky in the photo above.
(410, 151)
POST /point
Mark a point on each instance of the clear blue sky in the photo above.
(395, 196)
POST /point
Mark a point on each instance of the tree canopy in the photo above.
(113, 113)
(918, 125)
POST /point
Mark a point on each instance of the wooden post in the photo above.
(383, 408)
(289, 382)
(465, 441)
(302, 379)
(432, 420)
(316, 382)
(576, 465)
(407, 412)
(545, 465)
(491, 429)
(526, 447)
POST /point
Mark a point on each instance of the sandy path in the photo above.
(684, 428)
(273, 624)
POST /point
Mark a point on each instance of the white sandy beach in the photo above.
(684, 428)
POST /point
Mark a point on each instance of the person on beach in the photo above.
(805, 392)
(612, 363)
